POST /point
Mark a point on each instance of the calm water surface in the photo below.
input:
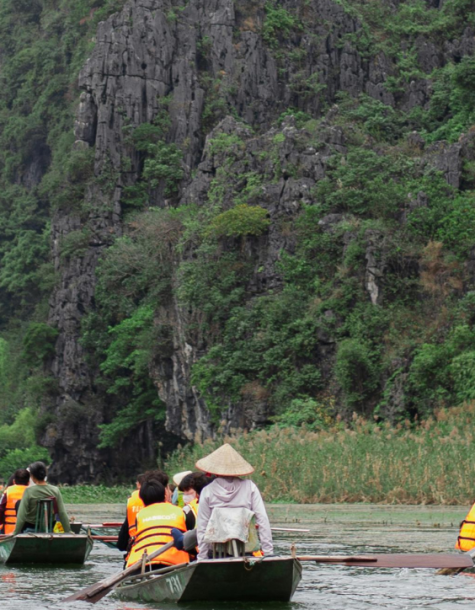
(334, 529)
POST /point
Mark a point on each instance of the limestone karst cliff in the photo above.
(266, 212)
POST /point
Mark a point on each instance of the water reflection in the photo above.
(334, 530)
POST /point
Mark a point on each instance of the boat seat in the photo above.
(45, 516)
(231, 532)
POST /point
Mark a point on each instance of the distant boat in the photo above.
(45, 548)
(235, 579)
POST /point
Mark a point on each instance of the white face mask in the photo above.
(189, 497)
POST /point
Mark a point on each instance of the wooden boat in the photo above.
(234, 579)
(46, 548)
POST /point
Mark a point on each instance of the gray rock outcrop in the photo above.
(209, 60)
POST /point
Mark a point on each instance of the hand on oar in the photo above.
(97, 591)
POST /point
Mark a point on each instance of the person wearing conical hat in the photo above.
(229, 490)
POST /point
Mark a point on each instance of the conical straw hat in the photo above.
(225, 462)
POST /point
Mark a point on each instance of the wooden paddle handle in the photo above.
(336, 558)
(113, 580)
(96, 592)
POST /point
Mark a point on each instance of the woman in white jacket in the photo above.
(228, 490)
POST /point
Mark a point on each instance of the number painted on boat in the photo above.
(174, 585)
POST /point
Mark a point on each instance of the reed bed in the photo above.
(431, 462)
(96, 494)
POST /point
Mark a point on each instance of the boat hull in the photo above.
(46, 549)
(273, 579)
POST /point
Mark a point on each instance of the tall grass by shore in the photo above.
(432, 462)
(96, 494)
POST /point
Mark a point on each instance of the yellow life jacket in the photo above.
(179, 499)
(134, 506)
(154, 525)
(194, 509)
(14, 493)
(466, 537)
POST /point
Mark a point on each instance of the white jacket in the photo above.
(233, 492)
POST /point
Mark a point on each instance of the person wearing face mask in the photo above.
(191, 486)
(177, 496)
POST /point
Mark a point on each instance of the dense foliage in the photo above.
(316, 347)
(43, 44)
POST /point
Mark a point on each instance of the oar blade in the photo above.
(82, 595)
(407, 560)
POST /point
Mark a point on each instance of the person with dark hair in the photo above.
(41, 490)
(10, 482)
(11, 500)
(154, 526)
(134, 506)
(191, 486)
(162, 478)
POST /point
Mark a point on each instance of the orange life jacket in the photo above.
(154, 525)
(14, 494)
(466, 537)
(134, 506)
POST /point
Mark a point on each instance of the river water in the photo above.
(334, 529)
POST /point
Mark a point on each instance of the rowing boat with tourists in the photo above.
(35, 523)
(219, 546)
(209, 539)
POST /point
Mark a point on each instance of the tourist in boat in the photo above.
(12, 498)
(162, 477)
(134, 506)
(9, 483)
(154, 524)
(191, 486)
(466, 538)
(228, 490)
(177, 495)
(41, 490)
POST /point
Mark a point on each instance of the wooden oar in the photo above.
(287, 529)
(99, 525)
(97, 591)
(396, 560)
(113, 524)
(454, 571)
(337, 558)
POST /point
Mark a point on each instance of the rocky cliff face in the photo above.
(221, 71)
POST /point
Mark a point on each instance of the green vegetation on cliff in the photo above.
(321, 260)
(43, 44)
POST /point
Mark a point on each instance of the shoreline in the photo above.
(300, 515)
